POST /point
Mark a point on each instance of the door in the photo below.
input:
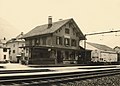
(59, 57)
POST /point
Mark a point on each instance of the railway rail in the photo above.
(55, 76)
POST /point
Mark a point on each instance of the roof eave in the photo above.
(37, 35)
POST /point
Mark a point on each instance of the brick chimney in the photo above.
(49, 21)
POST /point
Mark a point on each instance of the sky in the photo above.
(91, 16)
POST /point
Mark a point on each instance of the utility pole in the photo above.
(97, 33)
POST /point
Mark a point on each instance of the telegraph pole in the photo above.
(97, 33)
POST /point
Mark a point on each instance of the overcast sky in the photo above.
(18, 16)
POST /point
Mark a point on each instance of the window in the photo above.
(59, 40)
(67, 41)
(44, 40)
(10, 57)
(37, 41)
(30, 42)
(10, 51)
(73, 31)
(4, 56)
(27, 50)
(33, 42)
(13, 51)
(101, 59)
(22, 50)
(73, 42)
(13, 45)
(4, 49)
(66, 55)
(22, 45)
(67, 31)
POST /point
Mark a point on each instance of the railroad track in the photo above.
(40, 79)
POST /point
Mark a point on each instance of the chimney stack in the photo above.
(49, 21)
(4, 38)
(21, 33)
(60, 19)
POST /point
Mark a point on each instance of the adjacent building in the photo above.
(54, 43)
(4, 51)
(14, 45)
(101, 53)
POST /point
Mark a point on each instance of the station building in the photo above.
(54, 43)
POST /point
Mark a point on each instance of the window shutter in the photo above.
(56, 41)
(61, 40)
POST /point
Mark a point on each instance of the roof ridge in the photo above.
(55, 22)
(96, 43)
(100, 46)
(43, 29)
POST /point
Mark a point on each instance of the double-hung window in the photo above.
(59, 40)
(67, 41)
(4, 49)
(44, 40)
(67, 31)
(73, 42)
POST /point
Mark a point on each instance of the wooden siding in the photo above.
(61, 33)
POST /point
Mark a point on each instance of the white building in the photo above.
(14, 44)
(4, 51)
(101, 53)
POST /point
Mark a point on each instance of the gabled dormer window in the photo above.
(67, 31)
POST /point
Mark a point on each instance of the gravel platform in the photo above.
(102, 81)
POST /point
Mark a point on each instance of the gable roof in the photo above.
(100, 46)
(17, 38)
(43, 29)
(117, 47)
(2, 41)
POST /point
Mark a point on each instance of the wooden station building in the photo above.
(54, 43)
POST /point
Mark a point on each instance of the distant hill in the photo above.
(7, 30)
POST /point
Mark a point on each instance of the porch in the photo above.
(40, 55)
